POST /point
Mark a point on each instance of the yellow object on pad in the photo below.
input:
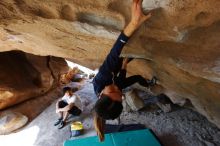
(76, 126)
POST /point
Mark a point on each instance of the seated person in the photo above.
(67, 105)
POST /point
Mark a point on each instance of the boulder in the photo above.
(11, 121)
(24, 76)
(133, 100)
(179, 44)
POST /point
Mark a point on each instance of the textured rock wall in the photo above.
(179, 44)
(24, 76)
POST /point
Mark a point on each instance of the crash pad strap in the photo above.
(128, 138)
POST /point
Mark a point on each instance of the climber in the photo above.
(111, 78)
(67, 105)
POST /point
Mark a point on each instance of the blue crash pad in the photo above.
(128, 138)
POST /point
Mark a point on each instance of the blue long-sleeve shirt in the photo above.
(111, 66)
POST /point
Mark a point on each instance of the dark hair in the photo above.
(66, 89)
(107, 108)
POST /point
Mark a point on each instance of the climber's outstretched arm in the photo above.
(137, 18)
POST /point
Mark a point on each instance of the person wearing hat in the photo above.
(67, 105)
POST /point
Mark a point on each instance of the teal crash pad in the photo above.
(128, 138)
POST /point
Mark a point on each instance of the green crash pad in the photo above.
(128, 138)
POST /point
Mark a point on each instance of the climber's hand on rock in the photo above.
(137, 17)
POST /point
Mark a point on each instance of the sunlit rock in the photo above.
(11, 121)
(179, 44)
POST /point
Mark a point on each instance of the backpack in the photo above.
(76, 129)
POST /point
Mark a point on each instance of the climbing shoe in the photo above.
(58, 121)
(62, 124)
(152, 82)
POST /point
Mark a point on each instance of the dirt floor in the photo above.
(181, 127)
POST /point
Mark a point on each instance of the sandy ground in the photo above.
(181, 127)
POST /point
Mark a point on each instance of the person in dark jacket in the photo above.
(111, 78)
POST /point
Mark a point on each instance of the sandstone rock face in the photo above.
(11, 121)
(25, 76)
(133, 100)
(179, 44)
